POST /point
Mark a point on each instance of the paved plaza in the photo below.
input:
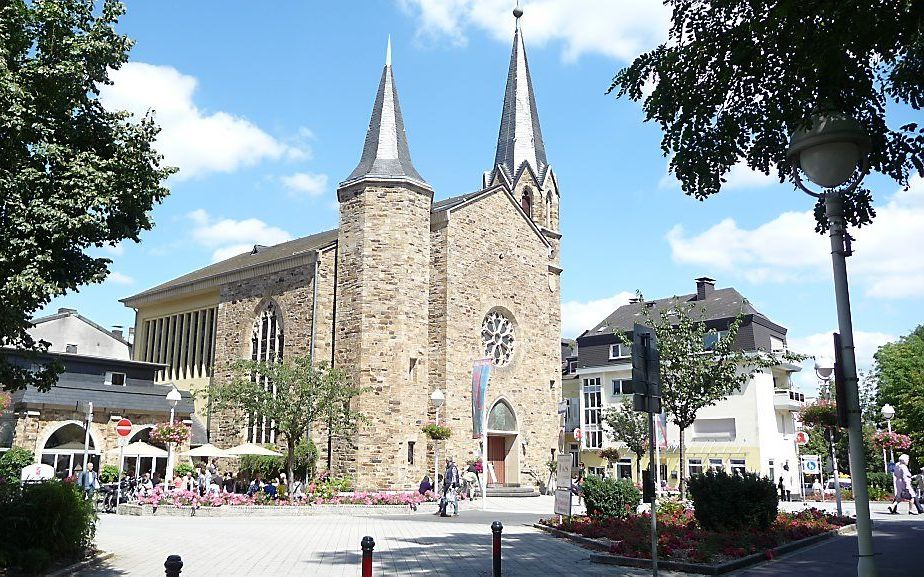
(418, 544)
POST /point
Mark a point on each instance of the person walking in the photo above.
(88, 480)
(902, 485)
(451, 482)
(577, 485)
(918, 483)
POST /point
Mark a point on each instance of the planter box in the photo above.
(272, 510)
(699, 568)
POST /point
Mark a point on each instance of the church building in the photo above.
(405, 295)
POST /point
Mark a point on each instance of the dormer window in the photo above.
(620, 351)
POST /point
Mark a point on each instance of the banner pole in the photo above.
(119, 480)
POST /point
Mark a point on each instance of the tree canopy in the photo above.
(73, 175)
(735, 78)
(629, 427)
(899, 372)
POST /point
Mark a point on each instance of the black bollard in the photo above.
(496, 528)
(173, 566)
(368, 544)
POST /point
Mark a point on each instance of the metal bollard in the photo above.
(173, 566)
(496, 528)
(368, 544)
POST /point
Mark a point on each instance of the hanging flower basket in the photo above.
(895, 441)
(437, 432)
(167, 433)
(611, 454)
(819, 414)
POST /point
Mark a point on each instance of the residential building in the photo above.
(749, 430)
(405, 295)
(98, 370)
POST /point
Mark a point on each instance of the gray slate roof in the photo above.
(519, 142)
(385, 152)
(723, 303)
(73, 388)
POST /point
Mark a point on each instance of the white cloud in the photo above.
(822, 345)
(228, 237)
(740, 176)
(305, 183)
(119, 278)
(620, 30)
(577, 316)
(195, 140)
(117, 249)
(887, 262)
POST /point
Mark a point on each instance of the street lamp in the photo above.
(824, 370)
(173, 397)
(833, 154)
(437, 399)
(888, 411)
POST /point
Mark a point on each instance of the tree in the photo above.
(899, 372)
(696, 371)
(735, 78)
(630, 428)
(72, 174)
(290, 393)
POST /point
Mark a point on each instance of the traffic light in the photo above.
(646, 373)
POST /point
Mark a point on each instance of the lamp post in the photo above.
(173, 397)
(88, 413)
(437, 399)
(833, 154)
(888, 411)
(824, 370)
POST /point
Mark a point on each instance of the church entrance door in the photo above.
(497, 457)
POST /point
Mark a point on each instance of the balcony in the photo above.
(788, 400)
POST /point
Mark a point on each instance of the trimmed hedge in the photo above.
(608, 498)
(723, 502)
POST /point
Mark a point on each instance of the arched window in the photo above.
(64, 450)
(265, 346)
(526, 202)
(548, 210)
(501, 417)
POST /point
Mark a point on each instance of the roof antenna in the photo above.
(388, 52)
(517, 13)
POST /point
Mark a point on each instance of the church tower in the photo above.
(520, 162)
(383, 265)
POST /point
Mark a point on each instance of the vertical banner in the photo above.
(661, 430)
(481, 372)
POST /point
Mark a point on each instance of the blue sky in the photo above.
(264, 109)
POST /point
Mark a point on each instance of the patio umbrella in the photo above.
(252, 449)
(139, 449)
(208, 450)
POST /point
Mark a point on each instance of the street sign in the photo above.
(577, 434)
(563, 407)
(123, 441)
(563, 485)
(802, 438)
(124, 428)
(811, 464)
(37, 472)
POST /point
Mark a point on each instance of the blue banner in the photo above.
(481, 372)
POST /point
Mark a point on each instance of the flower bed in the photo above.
(681, 539)
(192, 499)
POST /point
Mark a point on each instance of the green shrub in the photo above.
(306, 460)
(52, 516)
(183, 469)
(608, 498)
(109, 474)
(35, 560)
(266, 467)
(12, 463)
(880, 480)
(723, 502)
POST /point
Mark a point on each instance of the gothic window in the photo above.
(497, 337)
(501, 418)
(265, 346)
(526, 202)
(548, 210)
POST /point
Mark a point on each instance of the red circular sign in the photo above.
(124, 428)
(577, 434)
(801, 437)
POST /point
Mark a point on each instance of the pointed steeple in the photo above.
(520, 139)
(385, 153)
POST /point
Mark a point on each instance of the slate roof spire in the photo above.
(520, 139)
(385, 153)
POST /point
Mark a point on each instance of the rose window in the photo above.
(497, 335)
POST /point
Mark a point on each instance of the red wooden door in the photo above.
(496, 457)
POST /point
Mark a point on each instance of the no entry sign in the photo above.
(124, 428)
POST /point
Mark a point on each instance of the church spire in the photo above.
(519, 142)
(385, 152)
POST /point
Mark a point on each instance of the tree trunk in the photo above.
(290, 462)
(330, 446)
(683, 467)
(638, 467)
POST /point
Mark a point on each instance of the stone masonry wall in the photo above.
(496, 260)
(382, 294)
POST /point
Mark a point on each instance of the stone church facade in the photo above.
(404, 295)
